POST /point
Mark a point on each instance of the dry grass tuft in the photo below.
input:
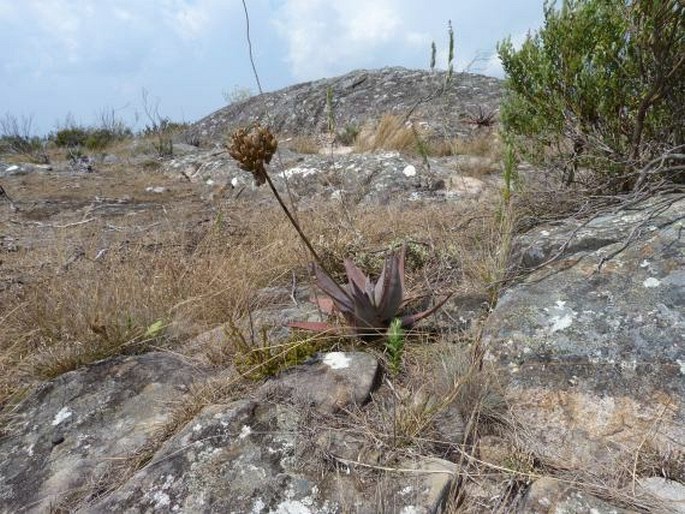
(481, 143)
(390, 133)
(303, 144)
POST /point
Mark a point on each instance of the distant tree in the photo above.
(600, 85)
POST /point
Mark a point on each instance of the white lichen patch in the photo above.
(561, 322)
(630, 365)
(337, 360)
(304, 172)
(292, 507)
(63, 414)
(161, 499)
(562, 317)
(244, 432)
(644, 263)
(682, 366)
(407, 490)
(258, 506)
(409, 171)
(651, 282)
(410, 509)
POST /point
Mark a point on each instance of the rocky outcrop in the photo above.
(262, 454)
(64, 437)
(592, 341)
(358, 97)
(377, 178)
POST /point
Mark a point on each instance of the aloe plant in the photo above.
(367, 307)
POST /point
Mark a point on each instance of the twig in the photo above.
(48, 225)
(293, 288)
(348, 462)
(249, 47)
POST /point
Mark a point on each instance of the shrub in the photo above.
(16, 137)
(600, 85)
(71, 137)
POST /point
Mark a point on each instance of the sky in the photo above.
(75, 61)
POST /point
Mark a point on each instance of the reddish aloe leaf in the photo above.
(365, 312)
(324, 303)
(389, 290)
(410, 319)
(341, 299)
(356, 276)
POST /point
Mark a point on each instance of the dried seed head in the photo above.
(253, 148)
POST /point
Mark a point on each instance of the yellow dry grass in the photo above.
(390, 133)
(87, 283)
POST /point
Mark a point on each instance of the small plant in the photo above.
(16, 137)
(71, 137)
(258, 360)
(481, 117)
(368, 308)
(330, 116)
(450, 55)
(348, 135)
(510, 175)
(394, 345)
(160, 127)
(433, 52)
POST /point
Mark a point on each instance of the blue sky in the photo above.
(81, 58)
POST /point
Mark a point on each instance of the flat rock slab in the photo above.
(669, 495)
(329, 383)
(230, 458)
(254, 457)
(550, 496)
(371, 179)
(65, 435)
(593, 343)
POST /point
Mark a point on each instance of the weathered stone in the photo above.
(593, 342)
(431, 486)
(184, 148)
(358, 97)
(333, 381)
(255, 457)
(367, 179)
(235, 458)
(550, 496)
(65, 435)
(669, 495)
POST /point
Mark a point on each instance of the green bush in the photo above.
(90, 138)
(71, 137)
(101, 138)
(599, 86)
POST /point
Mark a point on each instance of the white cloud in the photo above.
(493, 65)
(323, 36)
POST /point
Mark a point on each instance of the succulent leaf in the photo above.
(341, 299)
(356, 276)
(368, 307)
(389, 291)
(410, 319)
